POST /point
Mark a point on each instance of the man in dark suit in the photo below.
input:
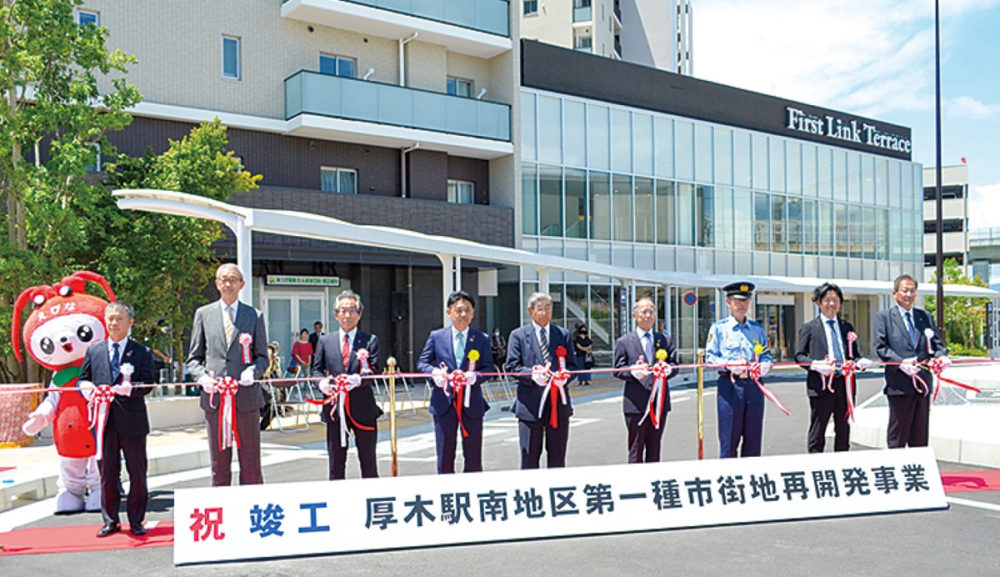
(121, 363)
(447, 350)
(532, 349)
(315, 336)
(337, 354)
(906, 335)
(216, 351)
(636, 352)
(822, 347)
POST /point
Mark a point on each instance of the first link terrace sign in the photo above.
(323, 517)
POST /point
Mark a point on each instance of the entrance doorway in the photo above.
(778, 321)
(287, 314)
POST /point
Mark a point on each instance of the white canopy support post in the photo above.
(543, 279)
(447, 281)
(244, 257)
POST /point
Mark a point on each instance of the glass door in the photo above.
(779, 324)
(286, 315)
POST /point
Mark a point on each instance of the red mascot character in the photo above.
(64, 322)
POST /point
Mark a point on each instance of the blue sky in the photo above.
(873, 58)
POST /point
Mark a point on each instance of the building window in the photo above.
(94, 166)
(461, 192)
(339, 180)
(338, 66)
(84, 17)
(231, 57)
(459, 87)
(531, 7)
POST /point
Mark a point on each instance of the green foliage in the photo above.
(964, 317)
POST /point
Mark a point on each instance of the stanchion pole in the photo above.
(701, 404)
(392, 414)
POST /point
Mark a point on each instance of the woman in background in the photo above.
(584, 353)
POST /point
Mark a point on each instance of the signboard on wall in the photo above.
(317, 281)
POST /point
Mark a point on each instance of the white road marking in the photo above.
(976, 504)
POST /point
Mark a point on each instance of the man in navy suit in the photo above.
(447, 350)
(636, 352)
(127, 422)
(532, 349)
(337, 354)
(216, 352)
(821, 349)
(906, 335)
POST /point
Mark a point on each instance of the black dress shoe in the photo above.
(137, 530)
(109, 529)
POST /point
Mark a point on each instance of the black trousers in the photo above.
(364, 440)
(821, 408)
(532, 435)
(248, 425)
(644, 440)
(446, 433)
(909, 421)
(134, 450)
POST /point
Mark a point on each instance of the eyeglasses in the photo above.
(229, 279)
(645, 312)
(347, 311)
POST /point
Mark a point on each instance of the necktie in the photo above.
(911, 329)
(543, 339)
(116, 360)
(345, 351)
(459, 349)
(647, 347)
(838, 352)
(227, 324)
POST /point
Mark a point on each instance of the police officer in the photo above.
(734, 343)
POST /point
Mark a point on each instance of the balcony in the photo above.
(582, 14)
(334, 107)
(478, 28)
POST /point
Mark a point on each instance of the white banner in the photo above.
(315, 518)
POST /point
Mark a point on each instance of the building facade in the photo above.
(954, 216)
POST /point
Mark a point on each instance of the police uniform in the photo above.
(740, 402)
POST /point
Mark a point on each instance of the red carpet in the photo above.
(2, 469)
(970, 481)
(77, 538)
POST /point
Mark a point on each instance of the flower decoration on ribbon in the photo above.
(340, 401)
(228, 433)
(555, 389)
(661, 371)
(363, 357)
(97, 410)
(245, 340)
(473, 358)
(127, 370)
(937, 366)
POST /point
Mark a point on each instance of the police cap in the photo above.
(739, 290)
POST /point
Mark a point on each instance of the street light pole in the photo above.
(939, 301)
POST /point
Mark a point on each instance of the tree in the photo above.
(53, 114)
(964, 317)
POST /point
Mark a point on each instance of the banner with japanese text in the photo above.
(323, 517)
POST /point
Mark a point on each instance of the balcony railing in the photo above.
(491, 16)
(582, 14)
(308, 92)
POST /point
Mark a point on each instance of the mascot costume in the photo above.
(64, 322)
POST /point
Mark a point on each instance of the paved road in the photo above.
(961, 540)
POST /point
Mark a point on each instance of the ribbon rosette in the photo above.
(928, 335)
(555, 389)
(228, 433)
(363, 355)
(848, 369)
(473, 357)
(245, 340)
(457, 382)
(661, 370)
(340, 401)
(937, 366)
(97, 410)
(127, 370)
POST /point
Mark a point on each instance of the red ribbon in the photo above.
(937, 366)
(848, 369)
(228, 431)
(97, 407)
(340, 401)
(654, 408)
(754, 372)
(458, 381)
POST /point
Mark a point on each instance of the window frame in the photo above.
(458, 81)
(239, 58)
(337, 58)
(337, 170)
(91, 12)
(457, 185)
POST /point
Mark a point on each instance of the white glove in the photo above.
(207, 384)
(765, 368)
(246, 377)
(640, 370)
(86, 389)
(945, 362)
(738, 368)
(863, 364)
(560, 379)
(439, 376)
(909, 367)
(124, 389)
(822, 367)
(35, 423)
(470, 377)
(353, 381)
(539, 375)
(325, 387)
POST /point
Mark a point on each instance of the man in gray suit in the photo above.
(906, 335)
(216, 352)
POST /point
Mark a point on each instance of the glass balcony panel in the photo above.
(489, 16)
(582, 14)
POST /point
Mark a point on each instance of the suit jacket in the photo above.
(812, 345)
(439, 349)
(524, 352)
(328, 362)
(892, 344)
(628, 348)
(128, 413)
(209, 353)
